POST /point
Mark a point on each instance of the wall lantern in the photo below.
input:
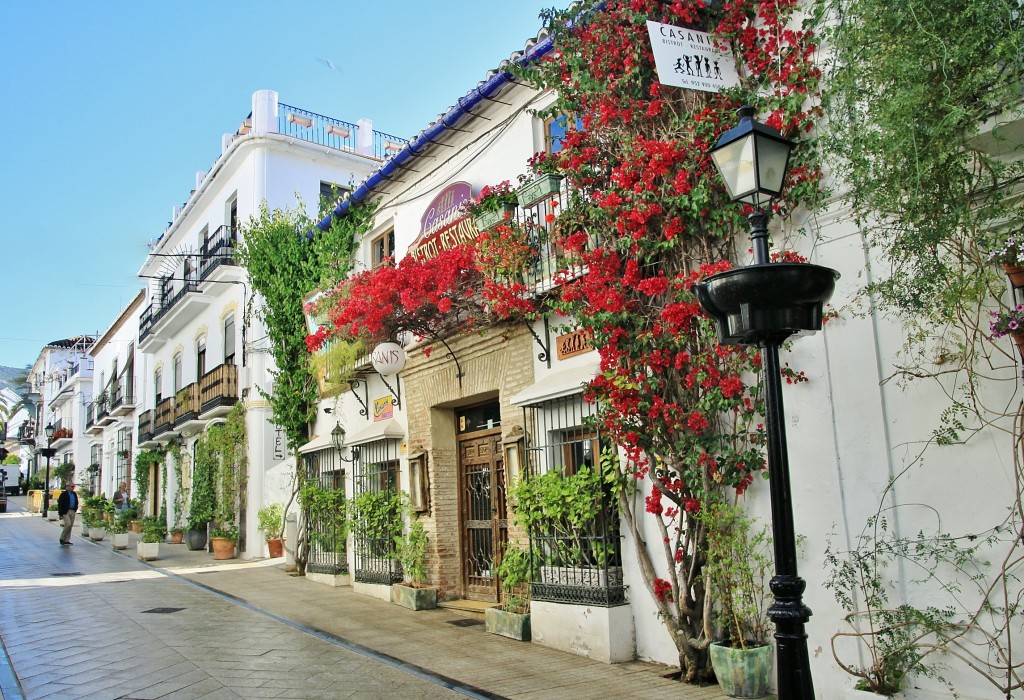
(419, 482)
(512, 446)
(763, 304)
(338, 440)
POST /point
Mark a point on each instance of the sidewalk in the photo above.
(443, 644)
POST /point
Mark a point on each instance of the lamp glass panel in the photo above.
(735, 161)
(418, 490)
(772, 156)
(512, 463)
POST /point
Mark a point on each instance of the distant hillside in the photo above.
(9, 373)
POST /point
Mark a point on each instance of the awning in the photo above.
(319, 442)
(369, 432)
(565, 382)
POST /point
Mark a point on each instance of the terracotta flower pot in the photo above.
(276, 547)
(1015, 274)
(223, 548)
(177, 536)
(1018, 337)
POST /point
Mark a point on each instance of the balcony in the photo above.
(147, 428)
(538, 221)
(163, 418)
(92, 427)
(218, 391)
(177, 301)
(186, 408)
(217, 255)
(335, 133)
(122, 399)
(62, 436)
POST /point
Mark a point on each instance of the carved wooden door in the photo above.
(483, 518)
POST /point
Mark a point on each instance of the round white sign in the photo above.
(388, 358)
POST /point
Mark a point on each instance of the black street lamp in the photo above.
(764, 304)
(48, 452)
(338, 440)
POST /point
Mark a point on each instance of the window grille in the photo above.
(124, 455)
(376, 489)
(327, 535)
(579, 562)
(95, 468)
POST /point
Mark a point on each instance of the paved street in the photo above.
(85, 621)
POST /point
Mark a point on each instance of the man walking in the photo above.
(67, 506)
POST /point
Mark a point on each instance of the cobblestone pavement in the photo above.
(85, 621)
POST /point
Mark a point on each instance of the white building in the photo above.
(110, 416)
(202, 350)
(62, 376)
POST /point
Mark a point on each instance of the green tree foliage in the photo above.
(287, 258)
(912, 87)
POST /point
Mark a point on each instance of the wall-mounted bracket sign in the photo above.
(389, 359)
(690, 59)
(571, 344)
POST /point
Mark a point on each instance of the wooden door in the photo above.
(483, 522)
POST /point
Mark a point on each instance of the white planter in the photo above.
(96, 534)
(589, 577)
(121, 540)
(51, 515)
(148, 550)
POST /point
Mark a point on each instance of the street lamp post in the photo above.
(763, 304)
(47, 452)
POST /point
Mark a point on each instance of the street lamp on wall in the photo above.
(764, 304)
(338, 440)
(48, 452)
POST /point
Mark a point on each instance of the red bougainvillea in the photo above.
(647, 219)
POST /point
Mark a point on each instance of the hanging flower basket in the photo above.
(489, 219)
(544, 186)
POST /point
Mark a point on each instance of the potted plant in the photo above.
(1009, 253)
(1009, 322)
(492, 205)
(512, 618)
(413, 592)
(177, 533)
(739, 564)
(97, 525)
(271, 517)
(118, 528)
(149, 544)
(51, 511)
(223, 537)
(543, 182)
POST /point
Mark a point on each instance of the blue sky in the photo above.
(112, 107)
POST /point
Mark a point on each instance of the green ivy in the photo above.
(285, 262)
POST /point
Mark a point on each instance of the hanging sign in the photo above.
(388, 358)
(690, 59)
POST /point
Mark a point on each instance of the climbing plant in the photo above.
(286, 258)
(144, 462)
(228, 444)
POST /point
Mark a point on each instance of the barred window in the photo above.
(326, 530)
(376, 511)
(579, 550)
